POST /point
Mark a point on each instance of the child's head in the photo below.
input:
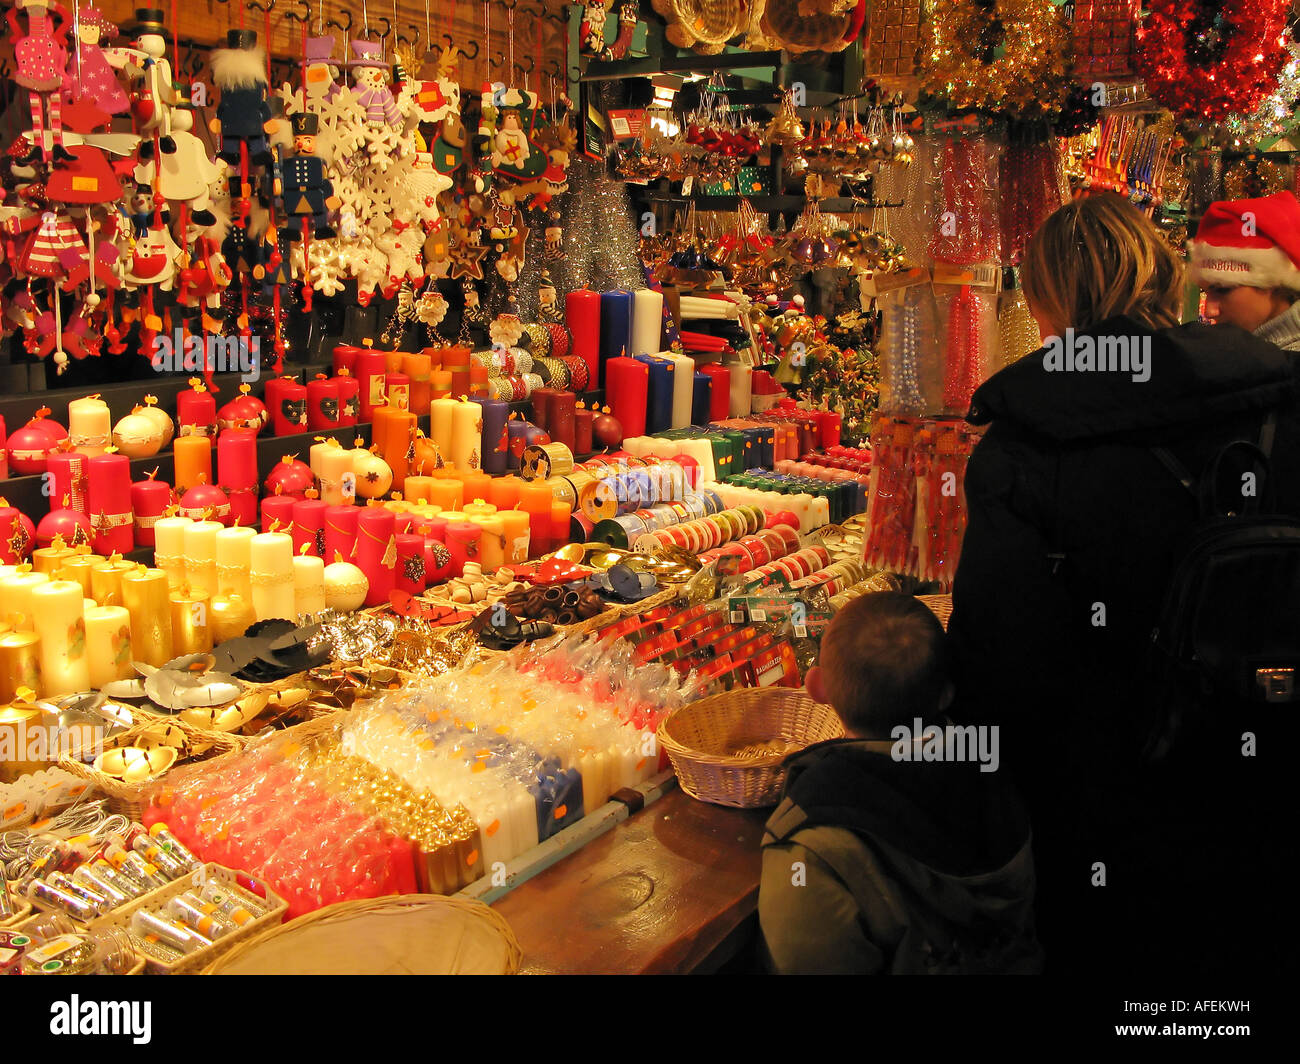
(883, 662)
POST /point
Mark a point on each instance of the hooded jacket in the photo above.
(877, 866)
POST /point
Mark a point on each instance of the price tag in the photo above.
(737, 616)
(801, 631)
(758, 615)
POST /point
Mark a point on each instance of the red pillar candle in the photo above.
(562, 411)
(397, 388)
(196, 411)
(108, 502)
(419, 368)
(582, 316)
(149, 501)
(411, 568)
(626, 384)
(237, 473)
(462, 539)
(376, 552)
(561, 512)
(345, 358)
(67, 471)
(582, 420)
(340, 532)
(437, 562)
(277, 513)
(370, 375)
(828, 423)
(192, 458)
(349, 400)
(456, 360)
(271, 395)
(289, 414)
(402, 523)
(541, 400)
(309, 526)
(720, 397)
(322, 403)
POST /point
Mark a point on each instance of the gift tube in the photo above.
(196, 412)
(340, 532)
(309, 526)
(237, 473)
(200, 546)
(322, 403)
(20, 664)
(376, 553)
(338, 482)
(410, 575)
(515, 528)
(627, 383)
(106, 580)
(59, 622)
(582, 316)
(495, 438)
(308, 585)
(90, 426)
(439, 385)
(466, 436)
(108, 496)
(192, 456)
(647, 321)
(370, 374)
(148, 601)
(149, 500)
(289, 412)
(191, 630)
(349, 400)
(67, 478)
(462, 539)
(615, 326)
(271, 574)
(418, 369)
(233, 556)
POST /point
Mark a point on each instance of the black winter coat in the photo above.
(1065, 468)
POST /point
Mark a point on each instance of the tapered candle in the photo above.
(582, 316)
(149, 500)
(340, 532)
(349, 400)
(647, 321)
(196, 411)
(192, 456)
(627, 383)
(338, 483)
(271, 574)
(106, 580)
(233, 556)
(503, 492)
(200, 544)
(78, 568)
(515, 527)
(16, 597)
(90, 425)
(410, 575)
(418, 368)
(191, 625)
(309, 526)
(370, 373)
(59, 621)
(20, 663)
(108, 644)
(376, 552)
(308, 584)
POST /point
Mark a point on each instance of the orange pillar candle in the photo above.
(492, 547)
(561, 512)
(535, 499)
(393, 361)
(148, 601)
(503, 492)
(515, 528)
(78, 568)
(439, 384)
(419, 369)
(193, 458)
(418, 489)
(476, 487)
(446, 493)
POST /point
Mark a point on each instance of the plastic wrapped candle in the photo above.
(89, 425)
(59, 622)
(309, 526)
(67, 473)
(16, 596)
(308, 584)
(271, 574)
(615, 325)
(515, 528)
(411, 570)
(647, 321)
(237, 473)
(148, 601)
(340, 531)
(370, 374)
(582, 316)
(233, 555)
(200, 542)
(418, 369)
(108, 501)
(106, 580)
(376, 553)
(463, 540)
(338, 482)
(149, 499)
(193, 460)
(349, 400)
(397, 388)
(196, 411)
(322, 403)
(627, 382)
(191, 623)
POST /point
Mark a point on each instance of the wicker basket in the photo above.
(409, 934)
(941, 605)
(730, 749)
(782, 21)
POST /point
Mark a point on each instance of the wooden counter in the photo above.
(673, 889)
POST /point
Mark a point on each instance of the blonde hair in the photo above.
(1098, 258)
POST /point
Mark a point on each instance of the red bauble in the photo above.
(243, 412)
(202, 498)
(72, 525)
(29, 447)
(289, 477)
(607, 430)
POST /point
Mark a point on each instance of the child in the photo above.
(892, 851)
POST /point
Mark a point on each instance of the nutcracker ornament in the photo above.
(41, 57)
(306, 191)
(244, 120)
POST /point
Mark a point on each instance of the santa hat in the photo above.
(1254, 242)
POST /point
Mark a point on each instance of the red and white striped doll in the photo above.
(41, 56)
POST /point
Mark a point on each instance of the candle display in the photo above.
(376, 553)
(89, 425)
(647, 321)
(233, 555)
(340, 531)
(196, 411)
(191, 628)
(149, 501)
(200, 544)
(271, 574)
(60, 624)
(323, 403)
(108, 501)
(627, 384)
(237, 473)
(20, 663)
(582, 315)
(192, 457)
(308, 585)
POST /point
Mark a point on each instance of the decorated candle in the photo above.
(193, 460)
(59, 621)
(441, 413)
(200, 542)
(627, 382)
(72, 526)
(410, 575)
(16, 597)
(277, 513)
(106, 580)
(89, 425)
(231, 615)
(440, 384)
(340, 532)
(496, 440)
(492, 542)
(191, 624)
(345, 586)
(418, 369)
(308, 584)
(462, 539)
(338, 482)
(582, 316)
(322, 403)
(67, 472)
(149, 500)
(514, 525)
(196, 411)
(309, 526)
(237, 473)
(349, 400)
(369, 372)
(376, 553)
(233, 555)
(396, 438)
(20, 663)
(647, 321)
(271, 574)
(466, 436)
(108, 500)
(397, 388)
(392, 363)
(289, 414)
(148, 601)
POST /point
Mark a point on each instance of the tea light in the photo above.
(89, 425)
(169, 547)
(191, 630)
(148, 600)
(106, 580)
(200, 544)
(308, 584)
(231, 616)
(59, 621)
(345, 586)
(233, 554)
(20, 664)
(271, 575)
(192, 457)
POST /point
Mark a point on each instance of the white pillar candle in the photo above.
(200, 540)
(820, 511)
(308, 584)
(683, 382)
(169, 548)
(467, 437)
(742, 379)
(647, 321)
(338, 484)
(802, 505)
(232, 561)
(702, 452)
(108, 644)
(271, 575)
(61, 624)
(16, 597)
(318, 449)
(440, 418)
(89, 425)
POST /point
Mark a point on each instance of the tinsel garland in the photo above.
(601, 245)
(961, 62)
(1209, 58)
(1279, 114)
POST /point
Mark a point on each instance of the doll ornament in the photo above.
(91, 76)
(370, 79)
(156, 96)
(244, 119)
(41, 57)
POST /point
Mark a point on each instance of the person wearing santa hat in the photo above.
(1246, 256)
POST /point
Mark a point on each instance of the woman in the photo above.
(1073, 529)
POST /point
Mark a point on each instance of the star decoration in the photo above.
(467, 261)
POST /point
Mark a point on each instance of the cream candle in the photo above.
(148, 599)
(59, 621)
(200, 544)
(90, 425)
(492, 545)
(683, 381)
(271, 575)
(647, 321)
(16, 597)
(308, 584)
(466, 437)
(233, 555)
(169, 545)
(515, 529)
(108, 644)
(441, 412)
(338, 482)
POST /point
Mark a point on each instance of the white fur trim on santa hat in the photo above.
(1214, 265)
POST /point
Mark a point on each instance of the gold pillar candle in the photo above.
(60, 621)
(106, 580)
(271, 569)
(191, 625)
(16, 723)
(48, 559)
(78, 568)
(308, 584)
(148, 601)
(233, 554)
(108, 644)
(20, 664)
(16, 596)
(230, 616)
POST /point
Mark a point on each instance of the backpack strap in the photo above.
(1204, 488)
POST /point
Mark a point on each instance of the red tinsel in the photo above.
(1252, 56)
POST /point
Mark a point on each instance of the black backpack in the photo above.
(1225, 654)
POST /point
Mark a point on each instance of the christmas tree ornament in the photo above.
(41, 59)
(243, 120)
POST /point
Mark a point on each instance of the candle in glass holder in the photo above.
(149, 500)
(196, 411)
(59, 620)
(200, 545)
(108, 644)
(233, 554)
(418, 369)
(169, 547)
(191, 625)
(340, 531)
(20, 663)
(237, 473)
(308, 585)
(192, 456)
(230, 616)
(271, 574)
(322, 403)
(108, 503)
(90, 425)
(106, 580)
(148, 601)
(376, 552)
(309, 526)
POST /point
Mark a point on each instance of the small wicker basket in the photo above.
(730, 749)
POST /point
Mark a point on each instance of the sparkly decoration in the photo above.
(1277, 115)
(601, 244)
(1028, 79)
(413, 569)
(1017, 330)
(1253, 178)
(1209, 58)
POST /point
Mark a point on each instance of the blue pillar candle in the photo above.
(615, 327)
(659, 395)
(701, 398)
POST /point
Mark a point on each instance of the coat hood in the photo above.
(1192, 373)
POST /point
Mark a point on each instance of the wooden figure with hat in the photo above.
(244, 118)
